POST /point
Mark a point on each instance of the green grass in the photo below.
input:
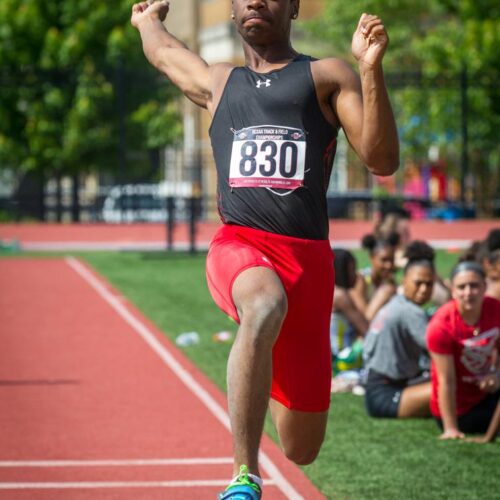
(362, 458)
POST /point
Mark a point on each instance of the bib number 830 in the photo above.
(269, 159)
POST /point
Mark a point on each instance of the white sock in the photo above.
(256, 479)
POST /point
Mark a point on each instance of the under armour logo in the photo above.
(266, 82)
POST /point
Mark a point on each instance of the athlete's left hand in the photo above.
(369, 41)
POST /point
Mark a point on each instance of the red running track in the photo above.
(97, 404)
(348, 233)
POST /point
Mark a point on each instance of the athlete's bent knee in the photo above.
(266, 310)
(301, 456)
(272, 307)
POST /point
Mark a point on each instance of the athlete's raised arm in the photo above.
(375, 138)
(361, 103)
(187, 70)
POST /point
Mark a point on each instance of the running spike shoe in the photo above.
(242, 488)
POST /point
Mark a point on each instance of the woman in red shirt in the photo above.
(463, 338)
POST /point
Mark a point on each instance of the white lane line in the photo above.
(281, 482)
(115, 484)
(200, 245)
(110, 245)
(147, 462)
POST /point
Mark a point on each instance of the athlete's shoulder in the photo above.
(333, 68)
(219, 70)
(332, 75)
(219, 75)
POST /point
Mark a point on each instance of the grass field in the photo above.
(362, 458)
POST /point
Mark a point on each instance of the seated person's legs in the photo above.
(478, 419)
(382, 397)
(415, 401)
(392, 399)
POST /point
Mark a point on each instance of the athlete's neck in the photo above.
(265, 58)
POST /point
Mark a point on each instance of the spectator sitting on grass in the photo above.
(347, 327)
(463, 338)
(395, 220)
(375, 284)
(348, 322)
(396, 341)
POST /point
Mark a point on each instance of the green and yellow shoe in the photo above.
(242, 488)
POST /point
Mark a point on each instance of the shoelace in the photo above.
(244, 480)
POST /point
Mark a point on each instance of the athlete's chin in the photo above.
(257, 35)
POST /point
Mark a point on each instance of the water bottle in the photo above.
(187, 338)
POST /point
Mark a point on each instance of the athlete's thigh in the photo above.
(226, 260)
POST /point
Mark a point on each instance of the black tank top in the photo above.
(274, 152)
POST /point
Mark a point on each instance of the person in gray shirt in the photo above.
(396, 341)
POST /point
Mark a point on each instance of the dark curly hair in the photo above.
(345, 268)
(371, 243)
(419, 253)
(493, 240)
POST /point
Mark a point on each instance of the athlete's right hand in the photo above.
(151, 9)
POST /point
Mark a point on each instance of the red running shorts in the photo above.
(301, 354)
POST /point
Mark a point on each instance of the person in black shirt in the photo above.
(273, 132)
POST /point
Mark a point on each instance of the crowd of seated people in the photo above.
(389, 319)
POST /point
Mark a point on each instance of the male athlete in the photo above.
(273, 134)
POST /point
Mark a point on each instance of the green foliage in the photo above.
(68, 69)
(159, 121)
(431, 42)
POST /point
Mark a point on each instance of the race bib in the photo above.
(268, 156)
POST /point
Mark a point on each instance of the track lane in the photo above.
(80, 383)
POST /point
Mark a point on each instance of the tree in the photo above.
(443, 61)
(76, 89)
